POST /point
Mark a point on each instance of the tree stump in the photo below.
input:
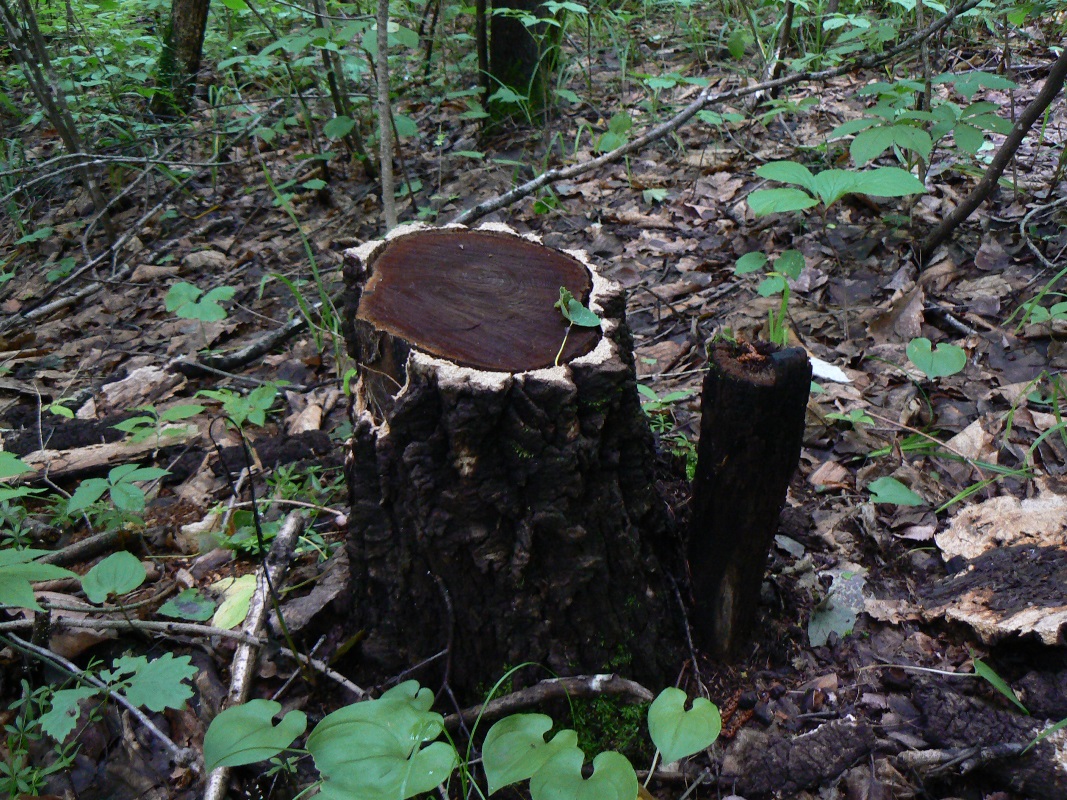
(752, 422)
(502, 508)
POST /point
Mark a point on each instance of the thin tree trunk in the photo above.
(385, 128)
(28, 48)
(183, 45)
(1031, 114)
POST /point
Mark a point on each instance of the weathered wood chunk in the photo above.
(502, 507)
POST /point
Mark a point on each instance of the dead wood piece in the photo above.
(752, 422)
(506, 515)
(758, 763)
(94, 458)
(981, 734)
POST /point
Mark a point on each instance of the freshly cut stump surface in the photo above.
(502, 509)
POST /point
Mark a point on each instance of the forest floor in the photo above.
(858, 594)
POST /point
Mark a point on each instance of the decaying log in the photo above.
(752, 422)
(502, 508)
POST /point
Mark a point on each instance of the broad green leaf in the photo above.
(338, 127)
(10, 466)
(771, 285)
(61, 718)
(235, 5)
(406, 127)
(678, 733)
(790, 263)
(891, 491)
(983, 670)
(969, 83)
(750, 262)
(245, 734)
(851, 126)
(371, 750)
(833, 184)
(870, 144)
(582, 316)
(18, 571)
(87, 493)
(237, 593)
(127, 497)
(189, 302)
(515, 748)
(946, 359)
(620, 124)
(189, 604)
(968, 138)
(117, 574)
(773, 201)
(158, 684)
(180, 412)
(561, 778)
(788, 172)
(888, 182)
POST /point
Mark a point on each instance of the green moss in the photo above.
(607, 723)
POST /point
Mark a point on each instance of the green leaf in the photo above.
(968, 138)
(237, 594)
(946, 359)
(678, 733)
(970, 82)
(127, 497)
(18, 571)
(117, 574)
(189, 302)
(891, 491)
(790, 263)
(515, 748)
(574, 312)
(983, 670)
(61, 718)
(371, 750)
(36, 236)
(158, 684)
(771, 285)
(245, 734)
(773, 201)
(10, 466)
(852, 126)
(750, 262)
(338, 127)
(190, 604)
(314, 185)
(87, 493)
(788, 172)
(887, 182)
(561, 778)
(870, 144)
(235, 5)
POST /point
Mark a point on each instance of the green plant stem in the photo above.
(564, 344)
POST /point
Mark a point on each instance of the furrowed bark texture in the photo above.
(752, 422)
(505, 515)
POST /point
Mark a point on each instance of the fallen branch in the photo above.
(578, 686)
(705, 98)
(244, 659)
(1031, 114)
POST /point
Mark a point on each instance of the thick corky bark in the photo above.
(752, 421)
(502, 508)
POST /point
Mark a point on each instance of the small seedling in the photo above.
(786, 267)
(891, 491)
(151, 422)
(190, 302)
(575, 314)
(945, 360)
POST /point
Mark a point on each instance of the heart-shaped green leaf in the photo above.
(117, 574)
(946, 359)
(561, 778)
(515, 748)
(678, 733)
(245, 734)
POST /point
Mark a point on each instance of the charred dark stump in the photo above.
(752, 422)
(502, 507)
